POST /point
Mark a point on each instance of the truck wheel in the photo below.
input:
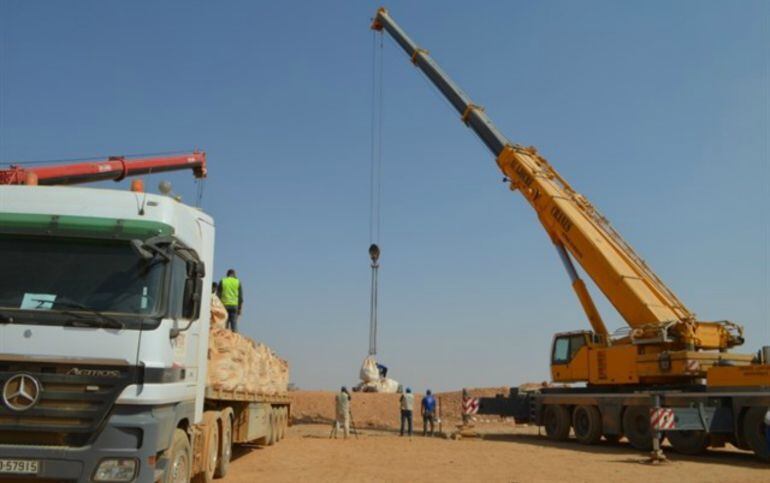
(556, 421)
(271, 430)
(587, 423)
(688, 442)
(179, 459)
(281, 423)
(636, 427)
(226, 447)
(754, 432)
(211, 459)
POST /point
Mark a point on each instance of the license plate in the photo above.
(19, 467)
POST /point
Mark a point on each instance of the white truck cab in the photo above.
(104, 316)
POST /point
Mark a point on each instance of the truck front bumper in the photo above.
(131, 432)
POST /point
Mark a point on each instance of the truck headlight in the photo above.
(116, 469)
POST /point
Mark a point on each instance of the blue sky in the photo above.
(656, 111)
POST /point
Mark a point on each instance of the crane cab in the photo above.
(569, 355)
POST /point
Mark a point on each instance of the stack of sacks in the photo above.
(237, 363)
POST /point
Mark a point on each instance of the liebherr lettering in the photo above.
(561, 218)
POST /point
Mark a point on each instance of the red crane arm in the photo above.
(115, 168)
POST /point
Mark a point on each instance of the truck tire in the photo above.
(636, 427)
(688, 442)
(281, 424)
(225, 445)
(211, 458)
(557, 422)
(754, 432)
(179, 459)
(271, 430)
(587, 423)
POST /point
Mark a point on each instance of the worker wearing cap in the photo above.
(342, 412)
(407, 406)
(230, 291)
(428, 412)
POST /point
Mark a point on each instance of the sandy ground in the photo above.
(505, 454)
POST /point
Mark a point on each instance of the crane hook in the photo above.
(374, 252)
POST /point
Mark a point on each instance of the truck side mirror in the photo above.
(193, 289)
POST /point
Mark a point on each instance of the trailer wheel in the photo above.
(557, 422)
(179, 459)
(636, 427)
(688, 442)
(272, 430)
(754, 432)
(587, 423)
(226, 446)
(211, 446)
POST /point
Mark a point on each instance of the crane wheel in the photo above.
(636, 427)
(556, 420)
(754, 432)
(688, 442)
(587, 423)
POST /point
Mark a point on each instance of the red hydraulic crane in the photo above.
(115, 168)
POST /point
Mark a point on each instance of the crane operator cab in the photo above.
(569, 355)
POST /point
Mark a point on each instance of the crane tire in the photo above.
(688, 442)
(556, 419)
(754, 432)
(636, 427)
(587, 424)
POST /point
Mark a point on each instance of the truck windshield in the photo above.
(57, 275)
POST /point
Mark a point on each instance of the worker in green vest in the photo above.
(231, 294)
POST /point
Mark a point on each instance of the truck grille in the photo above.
(74, 402)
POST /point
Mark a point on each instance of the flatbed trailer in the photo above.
(691, 417)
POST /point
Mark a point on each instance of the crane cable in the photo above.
(375, 186)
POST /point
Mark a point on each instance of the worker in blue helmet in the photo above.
(428, 412)
(407, 406)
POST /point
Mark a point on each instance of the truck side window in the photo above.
(176, 289)
(561, 350)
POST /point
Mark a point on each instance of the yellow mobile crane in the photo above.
(664, 346)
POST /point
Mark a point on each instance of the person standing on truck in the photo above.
(407, 405)
(342, 412)
(230, 291)
(428, 412)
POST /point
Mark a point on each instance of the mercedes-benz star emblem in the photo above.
(21, 392)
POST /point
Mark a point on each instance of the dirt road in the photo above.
(505, 454)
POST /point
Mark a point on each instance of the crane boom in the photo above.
(114, 168)
(576, 227)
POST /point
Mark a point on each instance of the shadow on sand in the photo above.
(717, 457)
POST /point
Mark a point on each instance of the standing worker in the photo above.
(231, 293)
(407, 405)
(428, 412)
(342, 413)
